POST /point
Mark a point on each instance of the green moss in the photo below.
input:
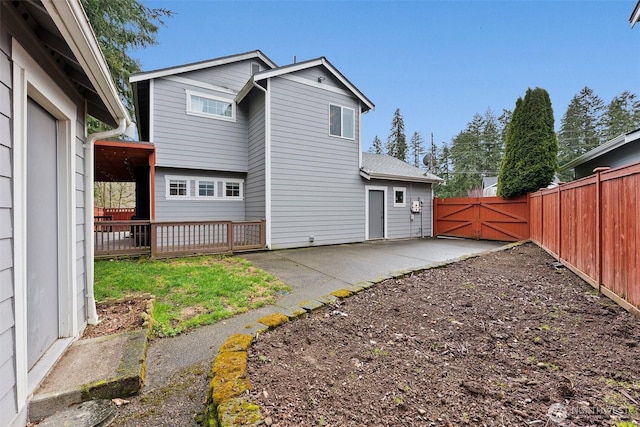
(239, 412)
(222, 389)
(342, 293)
(230, 365)
(237, 342)
(273, 320)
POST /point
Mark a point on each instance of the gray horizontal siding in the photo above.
(232, 76)
(195, 210)
(399, 222)
(625, 155)
(312, 75)
(188, 141)
(8, 408)
(316, 188)
(255, 185)
(81, 311)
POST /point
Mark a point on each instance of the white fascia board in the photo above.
(616, 142)
(315, 63)
(244, 91)
(195, 66)
(635, 15)
(73, 24)
(425, 179)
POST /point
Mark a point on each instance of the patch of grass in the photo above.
(189, 292)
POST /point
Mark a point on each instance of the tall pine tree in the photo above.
(416, 148)
(581, 128)
(530, 156)
(622, 115)
(376, 146)
(397, 140)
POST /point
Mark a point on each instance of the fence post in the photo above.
(263, 233)
(230, 235)
(598, 277)
(559, 230)
(152, 237)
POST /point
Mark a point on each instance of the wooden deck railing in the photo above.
(172, 239)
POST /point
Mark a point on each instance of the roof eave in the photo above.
(373, 175)
(73, 24)
(596, 152)
(635, 15)
(195, 66)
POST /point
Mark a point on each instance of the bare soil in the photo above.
(116, 317)
(506, 339)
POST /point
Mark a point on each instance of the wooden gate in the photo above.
(489, 218)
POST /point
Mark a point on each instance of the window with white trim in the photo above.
(206, 189)
(201, 104)
(178, 188)
(232, 189)
(341, 121)
(399, 197)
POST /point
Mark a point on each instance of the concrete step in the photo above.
(98, 368)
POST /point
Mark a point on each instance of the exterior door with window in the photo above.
(376, 214)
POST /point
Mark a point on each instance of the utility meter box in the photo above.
(416, 206)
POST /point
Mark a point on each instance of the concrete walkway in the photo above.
(311, 273)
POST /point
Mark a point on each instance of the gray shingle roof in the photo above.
(382, 166)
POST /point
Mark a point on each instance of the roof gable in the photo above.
(299, 66)
(169, 71)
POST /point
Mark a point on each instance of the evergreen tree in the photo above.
(416, 148)
(376, 146)
(397, 141)
(581, 127)
(622, 115)
(121, 26)
(530, 156)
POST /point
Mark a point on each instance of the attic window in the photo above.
(341, 121)
(200, 104)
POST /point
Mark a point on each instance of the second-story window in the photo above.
(210, 106)
(341, 121)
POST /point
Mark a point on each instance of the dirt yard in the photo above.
(506, 339)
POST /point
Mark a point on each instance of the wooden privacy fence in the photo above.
(490, 218)
(101, 215)
(171, 239)
(592, 225)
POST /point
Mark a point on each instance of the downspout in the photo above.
(92, 314)
(267, 163)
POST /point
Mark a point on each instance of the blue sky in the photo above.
(439, 62)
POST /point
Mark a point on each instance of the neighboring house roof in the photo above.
(194, 66)
(381, 166)
(600, 150)
(635, 15)
(488, 181)
(299, 66)
(65, 32)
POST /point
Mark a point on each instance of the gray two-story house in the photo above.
(239, 138)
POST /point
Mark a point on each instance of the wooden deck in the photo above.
(174, 239)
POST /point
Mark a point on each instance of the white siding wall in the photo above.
(316, 187)
(8, 408)
(187, 141)
(194, 209)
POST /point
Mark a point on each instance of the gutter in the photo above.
(92, 313)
